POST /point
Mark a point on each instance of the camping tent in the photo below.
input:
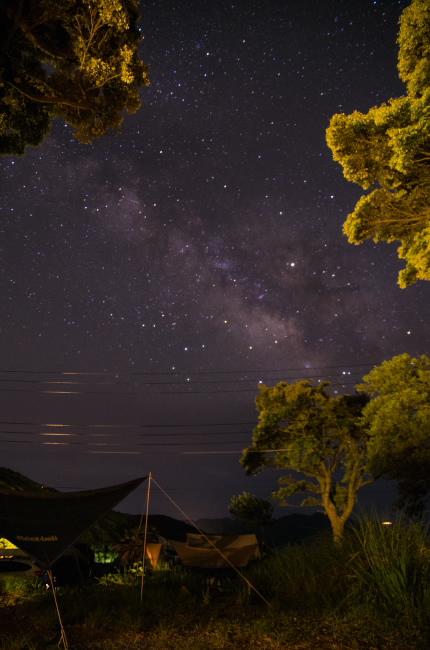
(47, 524)
(153, 551)
(217, 551)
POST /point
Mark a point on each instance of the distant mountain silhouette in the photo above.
(10, 480)
(116, 525)
(285, 530)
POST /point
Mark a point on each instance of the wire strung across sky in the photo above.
(183, 379)
(176, 373)
(130, 438)
(161, 383)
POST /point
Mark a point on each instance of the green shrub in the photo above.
(15, 588)
(389, 566)
(301, 577)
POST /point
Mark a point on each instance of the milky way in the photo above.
(198, 253)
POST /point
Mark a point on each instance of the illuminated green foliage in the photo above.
(398, 422)
(74, 59)
(333, 446)
(388, 150)
(317, 437)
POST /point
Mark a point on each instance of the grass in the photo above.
(370, 592)
(390, 569)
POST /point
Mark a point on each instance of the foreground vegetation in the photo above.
(370, 592)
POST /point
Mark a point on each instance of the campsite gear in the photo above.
(46, 524)
(16, 563)
(217, 551)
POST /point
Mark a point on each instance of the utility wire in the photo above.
(161, 383)
(111, 435)
(134, 426)
(149, 393)
(119, 444)
(326, 438)
(176, 373)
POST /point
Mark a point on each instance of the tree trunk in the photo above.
(337, 521)
(337, 525)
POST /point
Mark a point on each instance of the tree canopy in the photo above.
(302, 429)
(398, 422)
(388, 149)
(334, 446)
(251, 510)
(74, 59)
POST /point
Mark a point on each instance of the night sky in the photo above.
(151, 280)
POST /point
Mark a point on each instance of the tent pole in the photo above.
(63, 638)
(148, 499)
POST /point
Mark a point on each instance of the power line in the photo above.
(161, 383)
(184, 372)
(119, 444)
(135, 386)
(156, 392)
(134, 426)
(146, 435)
(327, 437)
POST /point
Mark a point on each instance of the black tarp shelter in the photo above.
(47, 524)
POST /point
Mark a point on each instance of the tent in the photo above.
(153, 551)
(47, 524)
(217, 551)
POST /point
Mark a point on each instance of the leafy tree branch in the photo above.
(77, 59)
(387, 151)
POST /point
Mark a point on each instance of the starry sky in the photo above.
(151, 280)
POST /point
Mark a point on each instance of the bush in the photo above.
(301, 577)
(15, 588)
(389, 566)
